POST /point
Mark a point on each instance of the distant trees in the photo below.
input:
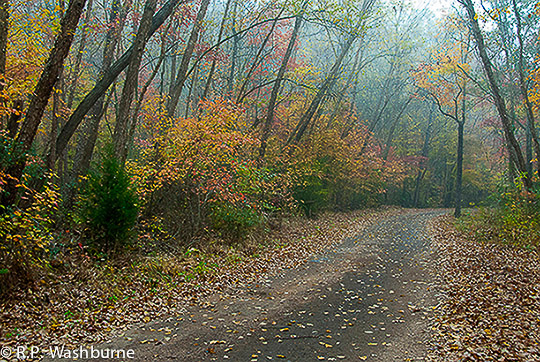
(444, 80)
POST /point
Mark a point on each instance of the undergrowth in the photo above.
(512, 219)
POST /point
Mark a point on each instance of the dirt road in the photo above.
(368, 299)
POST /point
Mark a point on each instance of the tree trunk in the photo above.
(342, 93)
(512, 143)
(108, 78)
(327, 85)
(55, 122)
(267, 126)
(459, 170)
(525, 94)
(448, 185)
(14, 118)
(74, 75)
(87, 141)
(383, 102)
(214, 61)
(257, 59)
(425, 153)
(186, 58)
(528, 150)
(192, 92)
(230, 79)
(137, 108)
(174, 57)
(121, 130)
(41, 95)
(393, 128)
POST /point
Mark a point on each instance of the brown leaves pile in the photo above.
(490, 302)
(88, 304)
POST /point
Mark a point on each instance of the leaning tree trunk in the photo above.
(330, 80)
(138, 103)
(258, 58)
(275, 90)
(41, 95)
(230, 79)
(214, 61)
(88, 138)
(514, 149)
(100, 88)
(327, 85)
(75, 74)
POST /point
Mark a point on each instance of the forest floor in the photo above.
(489, 298)
(386, 285)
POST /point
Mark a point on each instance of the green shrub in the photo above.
(513, 219)
(109, 205)
(312, 195)
(234, 222)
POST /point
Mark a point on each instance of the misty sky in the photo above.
(437, 6)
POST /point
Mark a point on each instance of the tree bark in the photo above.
(121, 130)
(55, 121)
(41, 95)
(14, 118)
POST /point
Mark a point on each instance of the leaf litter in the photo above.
(489, 298)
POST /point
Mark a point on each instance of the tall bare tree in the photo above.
(514, 150)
